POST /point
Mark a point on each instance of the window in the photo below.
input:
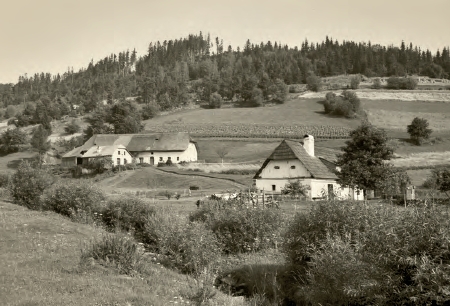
(178, 158)
(141, 160)
(118, 152)
(160, 159)
(169, 158)
(292, 167)
(277, 167)
(151, 153)
(118, 161)
(274, 187)
(124, 161)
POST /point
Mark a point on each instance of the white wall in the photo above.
(190, 154)
(124, 155)
(284, 170)
(318, 188)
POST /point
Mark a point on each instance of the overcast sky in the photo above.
(51, 35)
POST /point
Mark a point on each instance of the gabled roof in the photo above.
(136, 142)
(102, 151)
(289, 149)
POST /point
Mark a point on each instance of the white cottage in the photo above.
(292, 161)
(143, 148)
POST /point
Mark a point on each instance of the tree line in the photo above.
(174, 72)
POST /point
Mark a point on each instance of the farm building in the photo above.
(292, 161)
(143, 148)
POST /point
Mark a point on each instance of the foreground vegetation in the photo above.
(336, 253)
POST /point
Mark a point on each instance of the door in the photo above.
(330, 191)
(152, 160)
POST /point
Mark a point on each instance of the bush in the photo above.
(128, 214)
(354, 81)
(371, 254)
(243, 230)
(72, 127)
(190, 246)
(401, 83)
(117, 250)
(376, 83)
(150, 110)
(215, 100)
(75, 199)
(4, 180)
(194, 187)
(314, 83)
(28, 184)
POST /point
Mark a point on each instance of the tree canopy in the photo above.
(363, 161)
(418, 130)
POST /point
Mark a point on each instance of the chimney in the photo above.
(308, 144)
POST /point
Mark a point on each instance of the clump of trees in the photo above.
(401, 83)
(314, 83)
(346, 105)
(72, 127)
(12, 140)
(354, 81)
(418, 130)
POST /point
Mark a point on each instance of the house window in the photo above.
(274, 187)
(292, 167)
(118, 161)
(151, 153)
(118, 152)
(141, 160)
(160, 159)
(178, 158)
(124, 161)
(277, 167)
(169, 158)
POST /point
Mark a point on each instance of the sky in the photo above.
(52, 35)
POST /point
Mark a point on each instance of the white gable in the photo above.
(291, 168)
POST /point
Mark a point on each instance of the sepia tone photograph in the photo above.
(224, 153)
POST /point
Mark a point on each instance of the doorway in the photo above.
(152, 160)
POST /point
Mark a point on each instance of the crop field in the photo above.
(401, 95)
(396, 115)
(253, 130)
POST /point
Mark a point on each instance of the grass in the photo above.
(294, 111)
(40, 256)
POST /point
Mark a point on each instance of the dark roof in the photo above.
(137, 142)
(289, 149)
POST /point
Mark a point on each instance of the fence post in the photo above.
(263, 200)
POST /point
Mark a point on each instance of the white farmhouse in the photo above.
(292, 161)
(142, 148)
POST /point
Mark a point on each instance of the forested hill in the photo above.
(198, 64)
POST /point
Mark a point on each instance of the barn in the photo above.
(143, 148)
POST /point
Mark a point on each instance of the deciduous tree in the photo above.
(363, 161)
(418, 130)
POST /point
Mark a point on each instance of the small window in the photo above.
(292, 167)
(151, 153)
(274, 187)
(169, 158)
(160, 159)
(118, 152)
(124, 161)
(277, 167)
(118, 161)
(178, 158)
(141, 160)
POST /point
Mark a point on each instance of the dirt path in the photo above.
(429, 96)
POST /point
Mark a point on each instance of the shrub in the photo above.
(314, 83)
(128, 214)
(150, 110)
(117, 250)
(243, 230)
(354, 81)
(376, 83)
(72, 127)
(75, 199)
(371, 254)
(190, 246)
(12, 140)
(401, 83)
(215, 100)
(4, 180)
(28, 184)
(194, 187)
